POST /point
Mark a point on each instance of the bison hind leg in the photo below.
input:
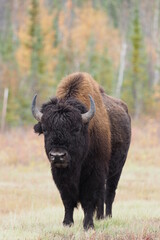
(115, 170)
(111, 187)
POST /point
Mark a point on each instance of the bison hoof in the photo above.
(67, 223)
(108, 215)
(99, 217)
(88, 225)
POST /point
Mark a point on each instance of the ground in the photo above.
(31, 208)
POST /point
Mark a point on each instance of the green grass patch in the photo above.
(131, 220)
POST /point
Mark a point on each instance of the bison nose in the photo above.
(57, 156)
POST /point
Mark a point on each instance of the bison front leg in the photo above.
(69, 193)
(68, 217)
(88, 206)
(89, 200)
(100, 208)
(69, 203)
(92, 196)
(88, 217)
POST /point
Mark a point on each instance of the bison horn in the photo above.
(86, 117)
(36, 113)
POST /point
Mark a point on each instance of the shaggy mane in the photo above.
(79, 86)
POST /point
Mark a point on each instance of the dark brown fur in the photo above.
(97, 150)
(79, 85)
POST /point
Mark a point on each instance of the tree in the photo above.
(136, 84)
(99, 66)
(9, 78)
(36, 63)
(36, 47)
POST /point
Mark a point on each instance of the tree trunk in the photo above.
(156, 42)
(121, 69)
(4, 110)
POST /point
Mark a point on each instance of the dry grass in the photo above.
(30, 206)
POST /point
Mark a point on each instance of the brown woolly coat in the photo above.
(95, 154)
(79, 85)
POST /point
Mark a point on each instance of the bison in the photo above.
(87, 136)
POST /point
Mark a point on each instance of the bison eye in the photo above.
(44, 130)
(77, 130)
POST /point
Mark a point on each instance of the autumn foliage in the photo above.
(43, 41)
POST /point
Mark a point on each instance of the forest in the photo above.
(42, 41)
(117, 42)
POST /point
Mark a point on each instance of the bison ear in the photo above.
(38, 128)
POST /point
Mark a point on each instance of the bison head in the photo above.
(64, 124)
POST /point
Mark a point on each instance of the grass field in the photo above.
(30, 206)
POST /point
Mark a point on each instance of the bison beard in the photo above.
(86, 149)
